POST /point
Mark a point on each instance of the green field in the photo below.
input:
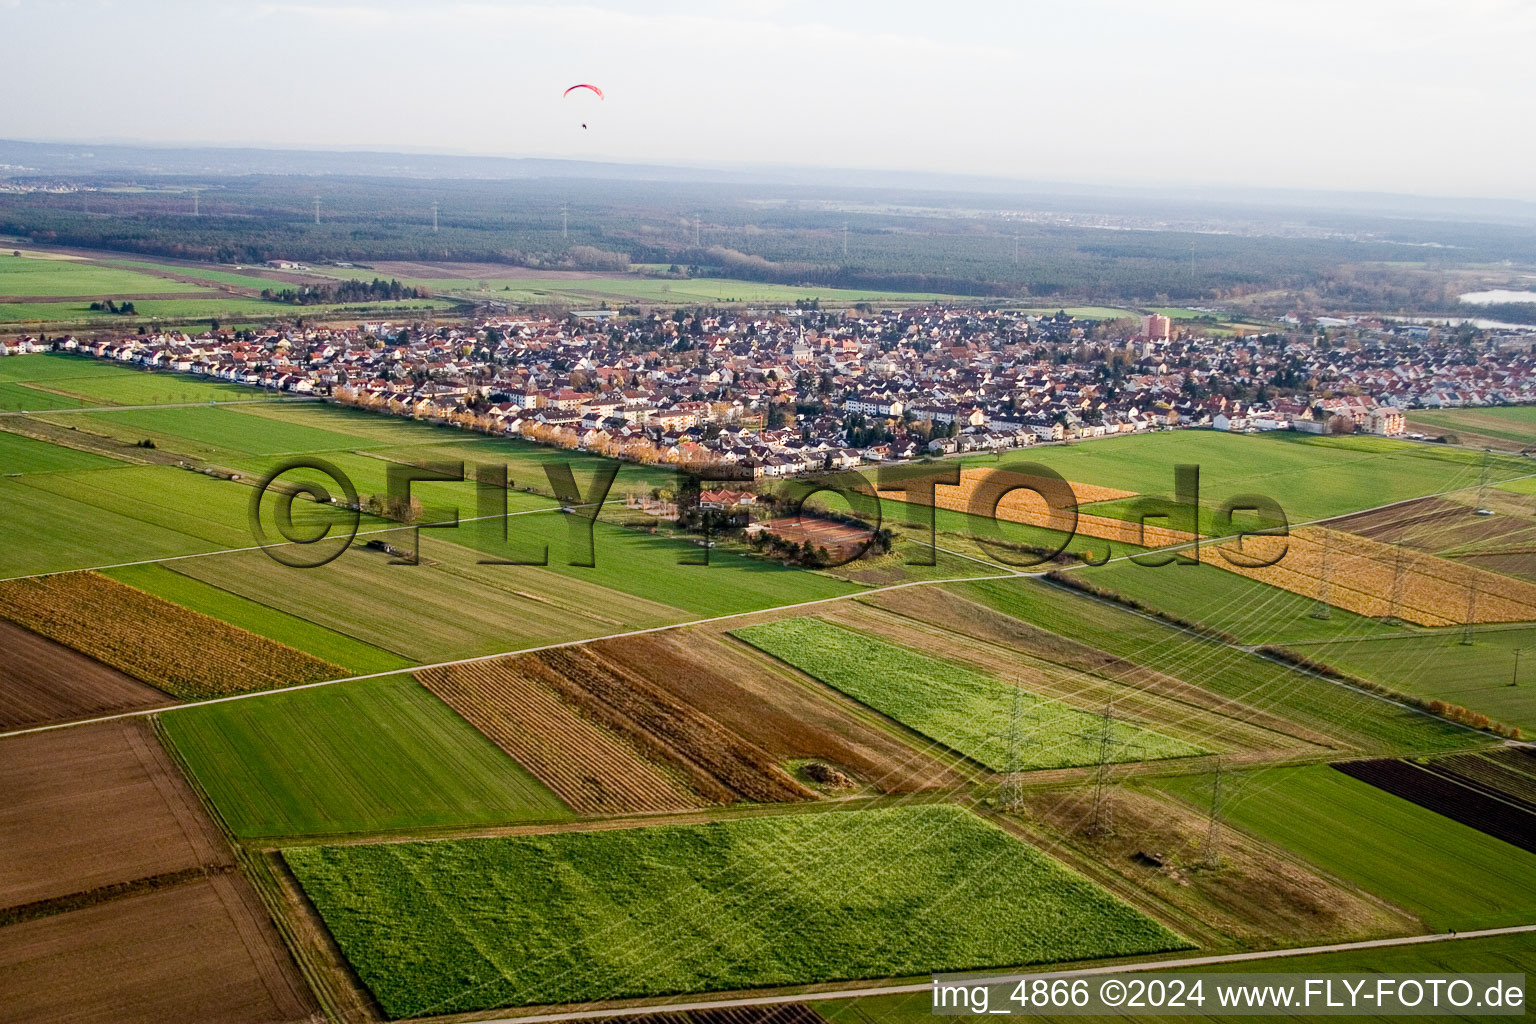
(953, 704)
(217, 430)
(1499, 954)
(351, 757)
(15, 397)
(104, 516)
(47, 532)
(302, 634)
(167, 497)
(1369, 723)
(653, 567)
(75, 520)
(1513, 423)
(471, 924)
(85, 380)
(1450, 875)
(1431, 664)
(144, 387)
(1439, 666)
(49, 366)
(22, 455)
(43, 278)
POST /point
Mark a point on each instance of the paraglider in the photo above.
(583, 85)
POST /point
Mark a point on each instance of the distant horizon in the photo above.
(922, 178)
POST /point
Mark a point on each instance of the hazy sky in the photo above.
(1395, 95)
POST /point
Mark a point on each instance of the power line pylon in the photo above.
(434, 216)
(1397, 577)
(1482, 485)
(1210, 853)
(1102, 821)
(1321, 609)
(1013, 789)
(1467, 630)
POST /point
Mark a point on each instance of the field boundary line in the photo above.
(927, 986)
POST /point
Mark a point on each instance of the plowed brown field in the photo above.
(95, 805)
(748, 695)
(719, 764)
(130, 907)
(42, 681)
(199, 952)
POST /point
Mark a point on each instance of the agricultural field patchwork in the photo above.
(1321, 710)
(186, 654)
(1475, 798)
(761, 901)
(943, 622)
(1312, 477)
(1380, 580)
(1233, 887)
(1448, 874)
(290, 630)
(447, 607)
(717, 763)
(363, 756)
(997, 724)
(585, 807)
(792, 724)
(593, 768)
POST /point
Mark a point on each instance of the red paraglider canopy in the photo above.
(583, 85)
